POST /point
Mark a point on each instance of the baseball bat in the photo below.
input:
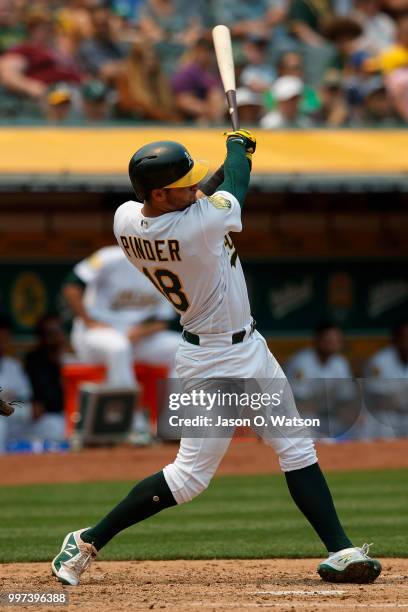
(223, 51)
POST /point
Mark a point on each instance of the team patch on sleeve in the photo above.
(219, 201)
(94, 261)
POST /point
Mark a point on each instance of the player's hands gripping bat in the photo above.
(247, 139)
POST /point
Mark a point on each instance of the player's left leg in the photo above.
(310, 492)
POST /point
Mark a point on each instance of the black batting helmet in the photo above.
(163, 164)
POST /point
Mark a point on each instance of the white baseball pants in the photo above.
(198, 458)
(113, 348)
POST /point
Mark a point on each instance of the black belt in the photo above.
(236, 338)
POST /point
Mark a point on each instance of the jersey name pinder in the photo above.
(190, 258)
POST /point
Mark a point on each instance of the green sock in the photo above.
(147, 498)
(312, 496)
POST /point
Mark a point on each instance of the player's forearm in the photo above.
(151, 327)
(74, 296)
(236, 172)
(145, 329)
(210, 185)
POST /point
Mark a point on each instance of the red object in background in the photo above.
(73, 374)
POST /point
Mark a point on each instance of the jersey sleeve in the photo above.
(123, 215)
(89, 269)
(217, 215)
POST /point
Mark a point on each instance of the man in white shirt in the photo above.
(15, 388)
(321, 380)
(386, 388)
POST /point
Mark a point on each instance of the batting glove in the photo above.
(245, 137)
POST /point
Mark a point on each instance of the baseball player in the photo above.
(386, 388)
(119, 316)
(322, 380)
(15, 391)
(179, 239)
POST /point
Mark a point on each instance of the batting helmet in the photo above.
(163, 164)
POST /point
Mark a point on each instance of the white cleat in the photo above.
(350, 565)
(73, 559)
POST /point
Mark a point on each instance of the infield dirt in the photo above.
(281, 584)
(245, 456)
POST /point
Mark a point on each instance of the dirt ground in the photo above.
(281, 584)
(245, 456)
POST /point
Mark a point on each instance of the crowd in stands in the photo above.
(300, 63)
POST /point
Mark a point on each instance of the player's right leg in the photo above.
(179, 482)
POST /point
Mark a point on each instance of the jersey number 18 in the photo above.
(170, 286)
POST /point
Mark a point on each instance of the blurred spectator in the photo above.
(59, 103)
(393, 57)
(393, 62)
(43, 366)
(196, 85)
(386, 387)
(377, 108)
(287, 91)
(31, 67)
(250, 106)
(324, 359)
(397, 87)
(12, 31)
(199, 9)
(101, 55)
(74, 23)
(95, 101)
(143, 89)
(170, 28)
(290, 63)
(255, 79)
(14, 387)
(344, 33)
(395, 8)
(128, 8)
(258, 74)
(306, 22)
(314, 374)
(256, 17)
(307, 19)
(333, 111)
(378, 28)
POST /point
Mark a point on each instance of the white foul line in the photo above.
(320, 592)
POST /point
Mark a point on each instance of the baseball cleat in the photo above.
(350, 565)
(73, 559)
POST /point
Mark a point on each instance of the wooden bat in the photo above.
(223, 50)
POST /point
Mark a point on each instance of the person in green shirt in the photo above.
(290, 63)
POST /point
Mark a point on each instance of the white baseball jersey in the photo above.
(190, 258)
(388, 375)
(305, 371)
(13, 380)
(116, 293)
